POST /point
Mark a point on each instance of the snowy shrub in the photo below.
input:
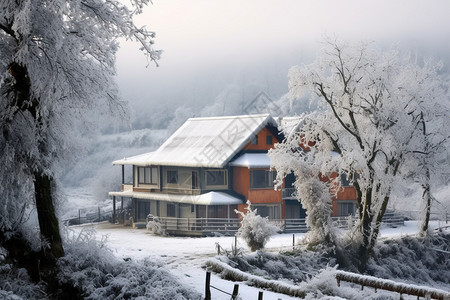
(92, 268)
(255, 230)
(15, 284)
(154, 225)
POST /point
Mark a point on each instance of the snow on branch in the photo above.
(389, 285)
(274, 285)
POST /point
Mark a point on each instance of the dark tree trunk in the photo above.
(48, 222)
(366, 226)
(426, 197)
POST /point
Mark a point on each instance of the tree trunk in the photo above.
(426, 197)
(376, 229)
(365, 229)
(48, 222)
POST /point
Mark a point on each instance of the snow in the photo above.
(138, 160)
(204, 142)
(210, 198)
(185, 257)
(252, 160)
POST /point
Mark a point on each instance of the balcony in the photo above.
(288, 194)
(127, 187)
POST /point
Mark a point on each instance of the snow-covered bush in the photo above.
(15, 284)
(93, 269)
(154, 225)
(255, 230)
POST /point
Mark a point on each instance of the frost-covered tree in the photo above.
(367, 126)
(57, 68)
(255, 230)
(428, 151)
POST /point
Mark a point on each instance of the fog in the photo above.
(210, 46)
(220, 54)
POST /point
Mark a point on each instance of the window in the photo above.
(346, 208)
(261, 179)
(271, 211)
(216, 177)
(143, 209)
(171, 210)
(255, 140)
(148, 175)
(269, 140)
(172, 176)
(345, 181)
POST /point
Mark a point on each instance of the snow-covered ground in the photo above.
(185, 256)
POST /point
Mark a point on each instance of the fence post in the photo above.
(99, 214)
(235, 291)
(207, 286)
(79, 216)
(260, 295)
(293, 241)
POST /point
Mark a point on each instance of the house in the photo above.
(205, 171)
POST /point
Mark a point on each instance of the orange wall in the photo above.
(262, 141)
(241, 185)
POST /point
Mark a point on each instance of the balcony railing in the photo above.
(205, 226)
(288, 193)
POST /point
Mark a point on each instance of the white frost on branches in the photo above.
(373, 107)
(57, 71)
(255, 230)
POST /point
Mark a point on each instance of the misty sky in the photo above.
(209, 45)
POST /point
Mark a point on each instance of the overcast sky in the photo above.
(210, 44)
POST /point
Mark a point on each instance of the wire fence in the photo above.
(91, 215)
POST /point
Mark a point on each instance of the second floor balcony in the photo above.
(288, 194)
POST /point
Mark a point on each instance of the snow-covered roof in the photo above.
(134, 160)
(210, 198)
(252, 160)
(288, 124)
(204, 142)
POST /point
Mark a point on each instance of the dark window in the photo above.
(346, 208)
(172, 177)
(143, 209)
(255, 140)
(195, 184)
(345, 181)
(271, 211)
(171, 210)
(260, 179)
(148, 175)
(216, 177)
(269, 140)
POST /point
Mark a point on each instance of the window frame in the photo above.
(172, 209)
(269, 177)
(346, 204)
(173, 176)
(149, 176)
(214, 185)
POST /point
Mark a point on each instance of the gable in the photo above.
(262, 140)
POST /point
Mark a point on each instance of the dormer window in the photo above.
(269, 140)
(255, 140)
